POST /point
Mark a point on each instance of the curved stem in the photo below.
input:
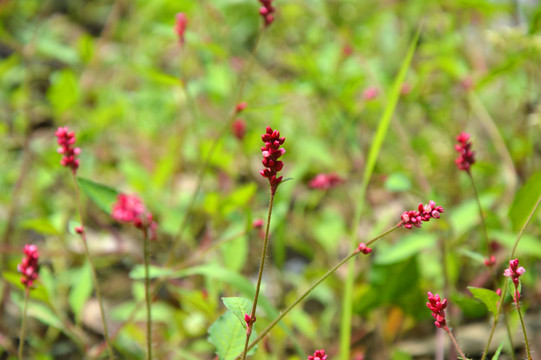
(23, 325)
(92, 268)
(481, 215)
(260, 275)
(147, 294)
(457, 347)
(311, 288)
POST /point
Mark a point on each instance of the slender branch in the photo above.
(147, 294)
(457, 347)
(23, 325)
(92, 268)
(260, 275)
(522, 323)
(481, 215)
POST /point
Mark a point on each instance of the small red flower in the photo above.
(180, 26)
(437, 306)
(490, 261)
(364, 249)
(271, 153)
(412, 218)
(66, 139)
(318, 355)
(467, 157)
(29, 267)
(370, 93)
(325, 181)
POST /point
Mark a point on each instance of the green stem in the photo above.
(522, 323)
(23, 325)
(509, 335)
(147, 294)
(260, 275)
(311, 288)
(92, 268)
(481, 215)
(457, 347)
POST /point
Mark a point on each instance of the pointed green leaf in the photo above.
(525, 201)
(488, 297)
(81, 290)
(228, 336)
(497, 353)
(103, 196)
(238, 306)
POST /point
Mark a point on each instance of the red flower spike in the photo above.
(180, 26)
(266, 11)
(467, 157)
(318, 355)
(364, 249)
(325, 181)
(66, 139)
(437, 306)
(129, 209)
(412, 218)
(29, 267)
(514, 272)
(271, 153)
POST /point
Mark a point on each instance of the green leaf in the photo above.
(64, 90)
(405, 248)
(239, 306)
(138, 272)
(488, 297)
(41, 226)
(228, 336)
(103, 196)
(80, 290)
(37, 293)
(525, 201)
(497, 353)
(235, 253)
(44, 314)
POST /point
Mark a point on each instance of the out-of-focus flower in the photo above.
(318, 355)
(490, 261)
(266, 11)
(467, 157)
(258, 223)
(325, 181)
(239, 128)
(271, 153)
(514, 271)
(240, 106)
(412, 218)
(129, 209)
(437, 306)
(364, 249)
(66, 139)
(29, 267)
(370, 93)
(180, 26)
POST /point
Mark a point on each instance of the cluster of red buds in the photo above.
(271, 153)
(437, 306)
(325, 181)
(180, 26)
(129, 209)
(364, 249)
(415, 218)
(467, 157)
(249, 323)
(266, 11)
(318, 355)
(66, 139)
(29, 267)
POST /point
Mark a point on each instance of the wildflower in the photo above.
(240, 106)
(467, 157)
(180, 26)
(29, 267)
(437, 306)
(239, 128)
(513, 271)
(364, 249)
(325, 181)
(257, 223)
(370, 93)
(271, 153)
(129, 209)
(318, 355)
(79, 230)
(415, 218)
(66, 139)
(266, 11)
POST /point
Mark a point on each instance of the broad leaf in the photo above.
(228, 336)
(103, 196)
(238, 306)
(525, 201)
(488, 297)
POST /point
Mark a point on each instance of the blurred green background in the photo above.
(147, 111)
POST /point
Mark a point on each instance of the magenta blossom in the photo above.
(66, 139)
(29, 267)
(180, 26)
(266, 11)
(412, 218)
(271, 153)
(318, 355)
(129, 209)
(514, 272)
(437, 306)
(325, 181)
(467, 157)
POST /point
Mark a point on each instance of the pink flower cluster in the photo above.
(325, 181)
(129, 209)
(514, 272)
(180, 26)
(66, 139)
(271, 153)
(437, 306)
(29, 267)
(467, 157)
(266, 11)
(415, 218)
(318, 355)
